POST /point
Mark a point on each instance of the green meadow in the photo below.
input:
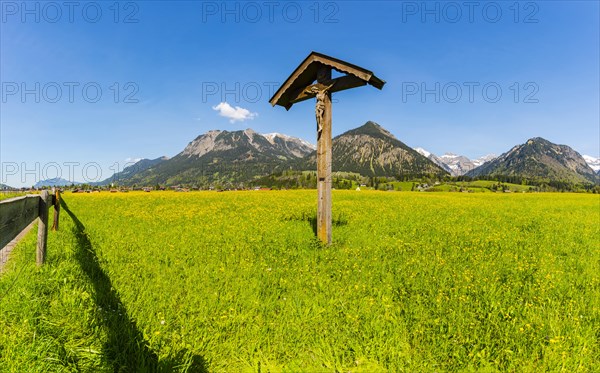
(235, 281)
(8, 195)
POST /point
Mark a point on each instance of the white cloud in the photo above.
(132, 160)
(234, 114)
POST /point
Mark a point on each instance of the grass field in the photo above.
(235, 281)
(7, 195)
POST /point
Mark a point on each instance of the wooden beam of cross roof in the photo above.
(297, 86)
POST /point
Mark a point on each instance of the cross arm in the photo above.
(337, 84)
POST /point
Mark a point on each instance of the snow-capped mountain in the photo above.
(486, 158)
(274, 138)
(459, 164)
(435, 159)
(219, 141)
(594, 163)
(456, 164)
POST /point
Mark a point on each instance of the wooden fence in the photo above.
(18, 213)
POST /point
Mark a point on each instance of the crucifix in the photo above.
(312, 79)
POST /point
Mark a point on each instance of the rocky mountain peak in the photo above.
(249, 132)
(248, 143)
(371, 150)
(539, 159)
(203, 144)
(373, 129)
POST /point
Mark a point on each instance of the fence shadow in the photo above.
(125, 350)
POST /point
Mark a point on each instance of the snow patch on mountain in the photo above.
(273, 135)
(423, 152)
(486, 158)
(593, 162)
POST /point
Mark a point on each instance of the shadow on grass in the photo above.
(125, 350)
(311, 218)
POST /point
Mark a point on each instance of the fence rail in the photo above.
(18, 213)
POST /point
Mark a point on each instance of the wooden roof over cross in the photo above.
(294, 89)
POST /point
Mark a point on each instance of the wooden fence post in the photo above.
(40, 256)
(56, 209)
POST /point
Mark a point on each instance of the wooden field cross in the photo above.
(313, 79)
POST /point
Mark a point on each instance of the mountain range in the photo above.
(225, 156)
(369, 150)
(57, 181)
(241, 157)
(455, 164)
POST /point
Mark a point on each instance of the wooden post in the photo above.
(324, 158)
(40, 256)
(56, 209)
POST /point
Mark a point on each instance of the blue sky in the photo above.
(162, 68)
